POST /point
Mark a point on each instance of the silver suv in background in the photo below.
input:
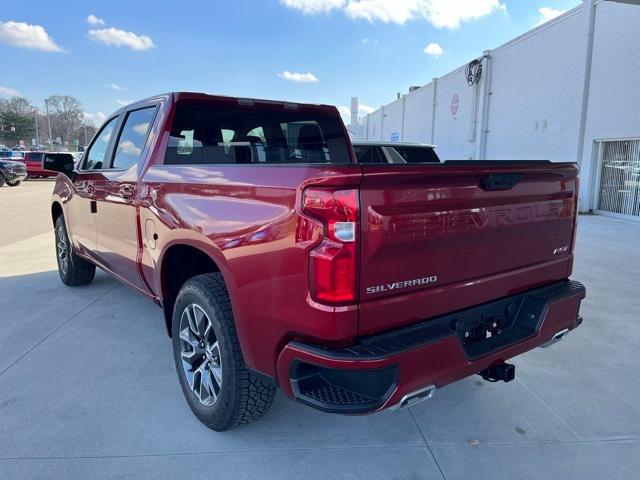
(394, 152)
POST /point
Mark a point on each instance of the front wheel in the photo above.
(220, 390)
(14, 184)
(74, 271)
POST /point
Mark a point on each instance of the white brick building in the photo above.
(542, 95)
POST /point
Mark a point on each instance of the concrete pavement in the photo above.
(88, 388)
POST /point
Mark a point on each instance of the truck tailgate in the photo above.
(440, 238)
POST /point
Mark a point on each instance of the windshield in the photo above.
(214, 134)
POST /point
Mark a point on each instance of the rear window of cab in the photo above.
(212, 134)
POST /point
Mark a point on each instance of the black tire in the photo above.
(2, 181)
(242, 396)
(14, 184)
(76, 271)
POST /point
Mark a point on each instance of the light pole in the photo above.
(46, 106)
(35, 114)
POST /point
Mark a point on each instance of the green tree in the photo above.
(17, 120)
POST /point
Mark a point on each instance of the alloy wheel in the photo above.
(62, 249)
(200, 354)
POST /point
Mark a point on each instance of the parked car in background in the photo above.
(280, 260)
(12, 155)
(394, 152)
(33, 161)
(12, 172)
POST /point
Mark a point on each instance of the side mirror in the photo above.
(59, 162)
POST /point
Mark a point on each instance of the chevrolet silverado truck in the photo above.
(280, 261)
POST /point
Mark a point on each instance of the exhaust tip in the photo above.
(414, 398)
(561, 335)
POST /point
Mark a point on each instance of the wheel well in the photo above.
(180, 263)
(56, 211)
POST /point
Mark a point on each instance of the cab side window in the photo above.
(133, 138)
(94, 158)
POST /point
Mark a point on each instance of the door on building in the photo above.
(619, 186)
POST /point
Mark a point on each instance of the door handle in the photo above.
(126, 190)
(500, 181)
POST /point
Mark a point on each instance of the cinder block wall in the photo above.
(536, 96)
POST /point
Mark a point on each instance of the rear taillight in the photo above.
(333, 263)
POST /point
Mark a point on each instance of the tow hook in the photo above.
(503, 371)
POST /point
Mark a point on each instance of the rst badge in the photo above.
(388, 287)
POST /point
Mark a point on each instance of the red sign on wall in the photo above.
(455, 105)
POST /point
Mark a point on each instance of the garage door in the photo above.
(619, 191)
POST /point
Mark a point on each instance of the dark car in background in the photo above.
(394, 152)
(12, 172)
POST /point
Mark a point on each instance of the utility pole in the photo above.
(35, 113)
(46, 106)
(85, 134)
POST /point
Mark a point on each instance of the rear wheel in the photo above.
(74, 271)
(2, 181)
(220, 390)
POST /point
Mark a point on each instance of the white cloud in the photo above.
(130, 148)
(313, 7)
(113, 37)
(365, 109)
(35, 37)
(433, 49)
(547, 14)
(116, 87)
(93, 20)
(345, 112)
(141, 129)
(95, 118)
(299, 77)
(123, 103)
(366, 41)
(440, 13)
(6, 92)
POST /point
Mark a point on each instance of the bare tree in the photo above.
(66, 116)
(17, 105)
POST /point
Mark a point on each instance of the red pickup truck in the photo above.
(33, 161)
(279, 261)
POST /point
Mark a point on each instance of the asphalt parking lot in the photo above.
(88, 388)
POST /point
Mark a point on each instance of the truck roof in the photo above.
(210, 96)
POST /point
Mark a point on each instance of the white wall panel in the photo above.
(614, 100)
(537, 93)
(452, 129)
(536, 100)
(392, 121)
(417, 115)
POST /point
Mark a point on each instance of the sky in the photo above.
(107, 54)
